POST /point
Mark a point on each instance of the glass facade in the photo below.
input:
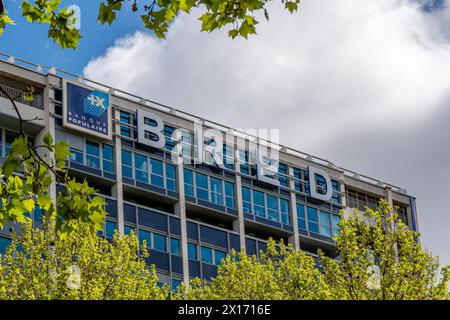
(265, 205)
(150, 193)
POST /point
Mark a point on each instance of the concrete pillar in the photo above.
(180, 211)
(117, 188)
(295, 239)
(49, 108)
(239, 223)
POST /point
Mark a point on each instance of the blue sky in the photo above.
(30, 42)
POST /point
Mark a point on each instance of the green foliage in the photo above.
(41, 265)
(59, 21)
(25, 179)
(380, 258)
(280, 273)
(368, 242)
(4, 21)
(156, 15)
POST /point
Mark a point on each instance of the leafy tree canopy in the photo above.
(378, 258)
(240, 16)
(39, 264)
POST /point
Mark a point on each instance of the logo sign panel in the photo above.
(87, 109)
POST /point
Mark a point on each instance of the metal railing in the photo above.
(19, 96)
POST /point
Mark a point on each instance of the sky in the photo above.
(365, 84)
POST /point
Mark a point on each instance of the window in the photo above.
(192, 251)
(10, 137)
(92, 155)
(127, 164)
(272, 208)
(216, 191)
(284, 209)
(187, 139)
(141, 168)
(258, 203)
(325, 224)
(108, 158)
(188, 183)
(159, 242)
(145, 236)
(402, 212)
(157, 176)
(171, 177)
(175, 283)
(202, 186)
(313, 225)
(243, 160)
(283, 175)
(128, 229)
(168, 131)
(206, 255)
(175, 246)
(336, 198)
(76, 155)
(301, 216)
(218, 256)
(127, 119)
(4, 243)
(361, 200)
(246, 200)
(229, 194)
(228, 159)
(335, 224)
(300, 180)
(110, 227)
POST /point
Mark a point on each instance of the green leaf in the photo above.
(62, 152)
(44, 201)
(48, 140)
(291, 6)
(28, 204)
(106, 12)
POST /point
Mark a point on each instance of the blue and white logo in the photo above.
(87, 110)
(94, 104)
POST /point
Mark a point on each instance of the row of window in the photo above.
(361, 200)
(245, 157)
(95, 155)
(208, 188)
(160, 242)
(265, 205)
(148, 170)
(317, 221)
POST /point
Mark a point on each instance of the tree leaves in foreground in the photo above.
(281, 274)
(27, 174)
(39, 264)
(240, 16)
(379, 258)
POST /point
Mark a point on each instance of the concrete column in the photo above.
(295, 239)
(49, 121)
(117, 188)
(180, 211)
(239, 223)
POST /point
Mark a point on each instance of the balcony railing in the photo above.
(37, 101)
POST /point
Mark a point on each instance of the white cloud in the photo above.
(335, 69)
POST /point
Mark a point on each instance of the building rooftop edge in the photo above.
(46, 70)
